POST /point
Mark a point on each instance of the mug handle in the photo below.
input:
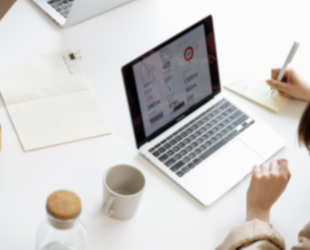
(107, 204)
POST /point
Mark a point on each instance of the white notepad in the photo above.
(251, 85)
(50, 101)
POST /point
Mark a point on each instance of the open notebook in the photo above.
(50, 101)
(251, 85)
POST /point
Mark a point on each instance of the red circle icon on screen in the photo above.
(188, 53)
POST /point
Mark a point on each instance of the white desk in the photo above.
(256, 33)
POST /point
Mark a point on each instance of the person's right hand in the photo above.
(268, 183)
(291, 86)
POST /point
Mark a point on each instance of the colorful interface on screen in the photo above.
(173, 79)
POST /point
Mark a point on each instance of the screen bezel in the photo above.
(132, 93)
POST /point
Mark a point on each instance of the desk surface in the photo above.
(256, 33)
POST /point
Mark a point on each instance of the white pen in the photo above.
(287, 61)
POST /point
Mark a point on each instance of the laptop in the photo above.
(69, 12)
(184, 124)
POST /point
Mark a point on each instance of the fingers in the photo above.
(265, 169)
(256, 170)
(284, 87)
(281, 93)
(284, 168)
(256, 174)
(274, 167)
(279, 167)
(289, 73)
(275, 73)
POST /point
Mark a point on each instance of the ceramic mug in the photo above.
(123, 186)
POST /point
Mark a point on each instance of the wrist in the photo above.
(258, 213)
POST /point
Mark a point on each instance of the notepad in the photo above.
(252, 85)
(50, 101)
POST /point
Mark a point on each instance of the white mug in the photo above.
(123, 186)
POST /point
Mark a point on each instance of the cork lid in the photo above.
(63, 205)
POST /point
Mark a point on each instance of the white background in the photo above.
(257, 33)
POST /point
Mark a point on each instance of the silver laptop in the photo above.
(182, 122)
(69, 12)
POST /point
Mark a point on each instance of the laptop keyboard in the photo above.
(62, 6)
(201, 137)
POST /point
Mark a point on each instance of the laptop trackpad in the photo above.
(225, 169)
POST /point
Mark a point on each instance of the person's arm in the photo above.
(5, 5)
(267, 184)
(253, 235)
(291, 86)
(304, 239)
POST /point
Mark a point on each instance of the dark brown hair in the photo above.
(304, 128)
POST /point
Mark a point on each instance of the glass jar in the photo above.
(61, 234)
(54, 234)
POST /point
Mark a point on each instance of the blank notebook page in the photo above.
(49, 102)
(253, 86)
(40, 77)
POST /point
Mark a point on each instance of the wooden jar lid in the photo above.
(63, 205)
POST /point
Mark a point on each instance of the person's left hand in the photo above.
(268, 183)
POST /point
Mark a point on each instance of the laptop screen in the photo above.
(171, 80)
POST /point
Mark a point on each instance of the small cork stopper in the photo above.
(63, 205)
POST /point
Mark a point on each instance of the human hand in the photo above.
(267, 184)
(291, 86)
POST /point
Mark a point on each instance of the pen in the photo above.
(287, 61)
